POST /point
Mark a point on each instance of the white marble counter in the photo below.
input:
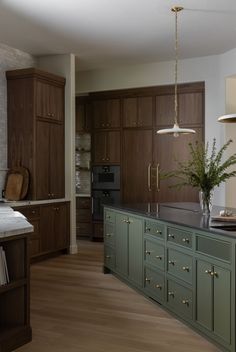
(12, 222)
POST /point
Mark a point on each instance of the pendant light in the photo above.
(176, 130)
(229, 118)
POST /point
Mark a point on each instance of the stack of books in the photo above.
(4, 276)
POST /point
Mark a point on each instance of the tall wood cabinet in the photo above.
(36, 129)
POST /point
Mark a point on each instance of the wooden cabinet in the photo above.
(138, 112)
(83, 217)
(106, 147)
(106, 113)
(83, 115)
(51, 228)
(15, 328)
(36, 130)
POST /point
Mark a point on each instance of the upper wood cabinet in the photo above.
(83, 115)
(138, 112)
(36, 130)
(106, 113)
(106, 147)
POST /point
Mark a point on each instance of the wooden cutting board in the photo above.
(13, 186)
(25, 173)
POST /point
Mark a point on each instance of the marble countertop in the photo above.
(12, 222)
(186, 214)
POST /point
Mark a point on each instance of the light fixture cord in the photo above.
(176, 66)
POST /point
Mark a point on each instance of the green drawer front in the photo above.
(154, 228)
(180, 265)
(109, 234)
(154, 254)
(215, 248)
(109, 257)
(154, 284)
(180, 237)
(180, 299)
(109, 216)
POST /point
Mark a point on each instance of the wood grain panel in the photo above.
(113, 147)
(130, 112)
(191, 108)
(145, 111)
(113, 113)
(99, 147)
(57, 161)
(165, 110)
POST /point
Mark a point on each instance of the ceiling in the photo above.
(107, 33)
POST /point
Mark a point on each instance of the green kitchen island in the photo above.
(179, 258)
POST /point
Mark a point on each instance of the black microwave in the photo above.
(106, 177)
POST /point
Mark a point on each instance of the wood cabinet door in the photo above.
(191, 107)
(99, 112)
(137, 157)
(130, 112)
(83, 116)
(47, 228)
(106, 113)
(113, 113)
(42, 164)
(165, 110)
(49, 101)
(167, 151)
(99, 147)
(113, 147)
(145, 111)
(57, 161)
(61, 228)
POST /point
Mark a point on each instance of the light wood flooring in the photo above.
(76, 308)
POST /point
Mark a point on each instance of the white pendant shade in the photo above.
(229, 118)
(175, 130)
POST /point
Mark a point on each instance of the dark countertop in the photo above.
(186, 214)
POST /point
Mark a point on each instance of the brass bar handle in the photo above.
(149, 177)
(157, 178)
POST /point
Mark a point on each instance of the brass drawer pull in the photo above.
(159, 232)
(147, 280)
(171, 262)
(209, 272)
(158, 286)
(171, 294)
(147, 229)
(159, 257)
(185, 240)
(148, 252)
(108, 257)
(185, 268)
(171, 235)
(109, 234)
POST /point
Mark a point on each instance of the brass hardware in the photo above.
(107, 159)
(215, 274)
(108, 234)
(185, 301)
(108, 257)
(157, 178)
(171, 235)
(103, 159)
(147, 280)
(148, 252)
(209, 272)
(171, 262)
(159, 286)
(33, 212)
(149, 177)
(158, 231)
(185, 240)
(185, 268)
(103, 124)
(147, 229)
(124, 220)
(158, 257)
(108, 217)
(171, 294)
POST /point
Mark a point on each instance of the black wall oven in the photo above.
(105, 188)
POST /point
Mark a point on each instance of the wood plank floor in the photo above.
(76, 308)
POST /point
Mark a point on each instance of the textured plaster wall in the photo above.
(10, 59)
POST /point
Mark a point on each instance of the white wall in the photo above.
(64, 65)
(209, 69)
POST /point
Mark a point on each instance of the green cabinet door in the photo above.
(204, 294)
(214, 299)
(136, 250)
(222, 303)
(122, 226)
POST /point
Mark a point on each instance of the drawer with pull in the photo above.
(109, 216)
(180, 299)
(109, 257)
(154, 284)
(109, 234)
(214, 247)
(179, 237)
(180, 265)
(154, 253)
(154, 228)
(29, 212)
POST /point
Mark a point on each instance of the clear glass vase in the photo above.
(205, 198)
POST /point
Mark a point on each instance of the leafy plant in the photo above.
(202, 170)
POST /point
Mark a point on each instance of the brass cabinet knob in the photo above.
(185, 268)
(171, 235)
(171, 262)
(171, 294)
(108, 257)
(147, 229)
(159, 232)
(209, 272)
(158, 286)
(185, 301)
(33, 212)
(159, 257)
(147, 280)
(185, 240)
(148, 252)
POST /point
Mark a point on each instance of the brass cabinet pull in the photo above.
(171, 262)
(159, 286)
(185, 240)
(147, 280)
(124, 220)
(171, 235)
(209, 272)
(109, 234)
(149, 177)
(185, 301)
(159, 257)
(159, 232)
(171, 294)
(108, 257)
(147, 229)
(148, 252)
(185, 268)
(157, 178)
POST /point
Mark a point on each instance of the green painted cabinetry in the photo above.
(190, 272)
